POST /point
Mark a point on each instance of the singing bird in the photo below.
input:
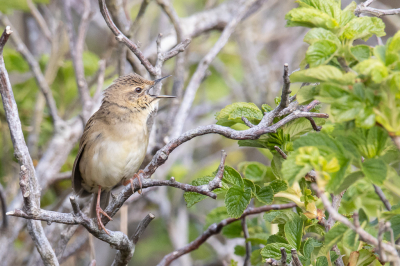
(115, 139)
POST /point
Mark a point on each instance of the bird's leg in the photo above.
(100, 210)
(131, 182)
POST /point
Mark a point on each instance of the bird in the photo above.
(114, 141)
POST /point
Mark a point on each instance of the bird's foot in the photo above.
(99, 211)
(131, 182)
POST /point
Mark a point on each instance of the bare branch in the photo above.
(177, 49)
(122, 38)
(247, 122)
(284, 156)
(28, 181)
(248, 243)
(40, 20)
(37, 73)
(286, 88)
(284, 257)
(383, 198)
(199, 74)
(313, 124)
(3, 205)
(364, 9)
(215, 229)
(173, 16)
(141, 227)
(364, 236)
(295, 258)
(76, 50)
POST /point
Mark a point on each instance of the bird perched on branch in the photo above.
(115, 139)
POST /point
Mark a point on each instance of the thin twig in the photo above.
(28, 181)
(383, 198)
(284, 156)
(37, 73)
(295, 258)
(247, 243)
(286, 88)
(247, 122)
(3, 207)
(284, 257)
(200, 72)
(313, 124)
(40, 20)
(215, 229)
(138, 20)
(123, 39)
(141, 227)
(364, 9)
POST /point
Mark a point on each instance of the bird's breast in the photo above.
(114, 152)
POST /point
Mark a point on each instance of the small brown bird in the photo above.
(115, 139)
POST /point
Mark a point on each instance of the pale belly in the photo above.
(107, 161)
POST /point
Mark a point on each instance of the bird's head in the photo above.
(134, 92)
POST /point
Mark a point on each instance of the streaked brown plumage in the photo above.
(115, 139)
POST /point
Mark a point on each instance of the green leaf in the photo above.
(307, 94)
(274, 251)
(293, 172)
(323, 74)
(320, 52)
(320, 34)
(393, 45)
(276, 239)
(232, 176)
(375, 170)
(236, 200)
(276, 165)
(279, 217)
(362, 257)
(363, 28)
(278, 186)
(192, 198)
(300, 126)
(329, 7)
(233, 114)
(249, 184)
(334, 236)
(373, 68)
(310, 17)
(233, 230)
(349, 180)
(255, 258)
(240, 250)
(254, 171)
(294, 231)
(322, 261)
(309, 246)
(265, 194)
(361, 52)
(258, 238)
(348, 14)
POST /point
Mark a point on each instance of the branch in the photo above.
(199, 74)
(40, 20)
(314, 126)
(247, 243)
(138, 19)
(286, 88)
(215, 229)
(123, 257)
(173, 16)
(28, 181)
(247, 122)
(364, 9)
(364, 236)
(37, 73)
(284, 257)
(3, 207)
(383, 198)
(123, 39)
(284, 156)
(76, 47)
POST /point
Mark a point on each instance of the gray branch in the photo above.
(383, 198)
(28, 182)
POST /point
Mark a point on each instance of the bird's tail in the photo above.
(104, 199)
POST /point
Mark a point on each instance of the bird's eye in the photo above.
(138, 90)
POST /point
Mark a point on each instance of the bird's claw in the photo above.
(131, 182)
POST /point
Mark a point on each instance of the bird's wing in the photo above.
(76, 174)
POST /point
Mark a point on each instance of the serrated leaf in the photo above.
(393, 45)
(276, 165)
(309, 246)
(329, 7)
(249, 184)
(274, 251)
(236, 200)
(233, 113)
(320, 34)
(320, 52)
(279, 217)
(322, 261)
(258, 238)
(192, 198)
(323, 74)
(254, 171)
(310, 17)
(294, 231)
(333, 236)
(278, 186)
(232, 176)
(265, 194)
(276, 239)
(363, 28)
(373, 68)
(361, 52)
(375, 170)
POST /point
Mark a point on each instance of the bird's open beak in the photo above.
(162, 96)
